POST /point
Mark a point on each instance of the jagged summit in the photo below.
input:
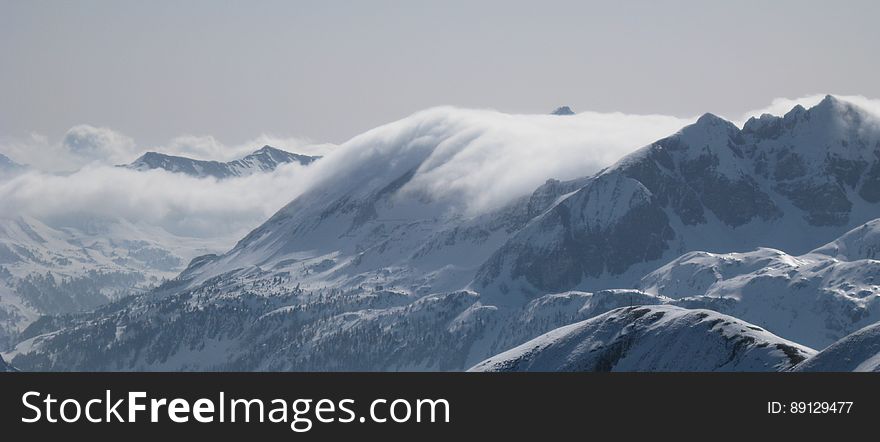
(265, 159)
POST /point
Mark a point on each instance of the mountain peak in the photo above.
(151, 154)
(710, 119)
(562, 110)
(829, 100)
(708, 124)
(267, 149)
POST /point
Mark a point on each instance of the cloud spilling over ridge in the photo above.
(477, 160)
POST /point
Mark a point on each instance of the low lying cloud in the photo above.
(183, 205)
(84, 145)
(100, 144)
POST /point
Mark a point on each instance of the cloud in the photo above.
(36, 150)
(85, 145)
(178, 203)
(76, 176)
(476, 160)
(81, 145)
(101, 144)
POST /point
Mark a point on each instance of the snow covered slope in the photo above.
(653, 338)
(815, 298)
(82, 264)
(859, 351)
(4, 367)
(265, 159)
(792, 182)
(263, 324)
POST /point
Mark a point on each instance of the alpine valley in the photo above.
(717, 248)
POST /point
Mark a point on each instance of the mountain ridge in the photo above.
(265, 159)
(719, 188)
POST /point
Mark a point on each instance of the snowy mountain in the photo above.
(82, 264)
(383, 263)
(791, 183)
(653, 338)
(859, 351)
(563, 110)
(815, 298)
(265, 159)
(369, 220)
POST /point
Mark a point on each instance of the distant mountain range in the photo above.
(716, 248)
(265, 159)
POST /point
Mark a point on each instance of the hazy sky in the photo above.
(328, 70)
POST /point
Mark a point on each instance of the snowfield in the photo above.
(653, 338)
(859, 351)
